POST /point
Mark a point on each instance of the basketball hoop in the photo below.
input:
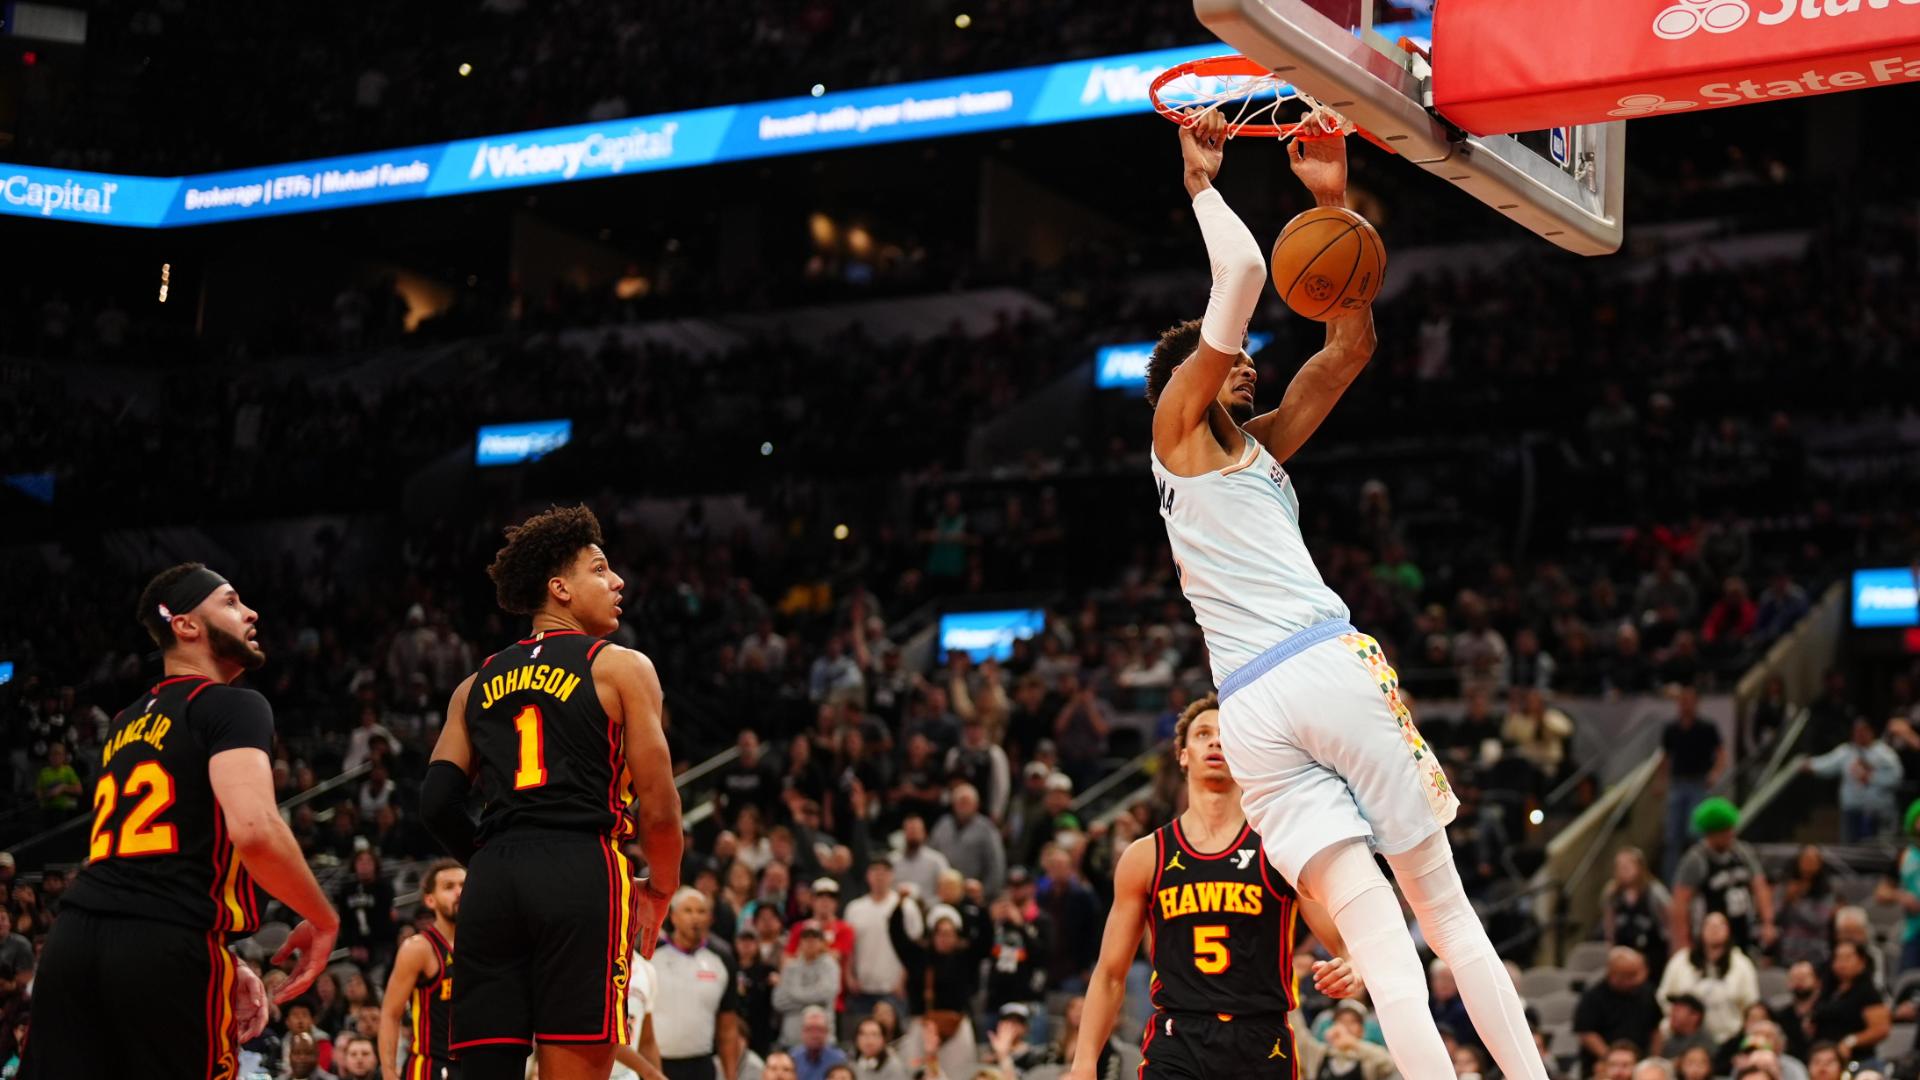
(1249, 97)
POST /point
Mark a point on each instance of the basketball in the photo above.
(1328, 262)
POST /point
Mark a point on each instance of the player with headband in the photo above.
(1330, 767)
(184, 826)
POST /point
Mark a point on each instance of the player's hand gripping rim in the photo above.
(315, 946)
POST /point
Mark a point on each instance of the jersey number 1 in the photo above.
(533, 749)
(138, 834)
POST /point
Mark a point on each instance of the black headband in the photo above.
(185, 595)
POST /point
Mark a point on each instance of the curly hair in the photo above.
(1175, 345)
(539, 549)
(1206, 704)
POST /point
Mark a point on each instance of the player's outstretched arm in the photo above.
(1107, 989)
(1239, 273)
(408, 964)
(650, 775)
(1321, 165)
(242, 780)
(443, 794)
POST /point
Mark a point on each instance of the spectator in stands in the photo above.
(359, 1060)
(1537, 733)
(1016, 955)
(1795, 1017)
(1528, 666)
(754, 975)
(809, 980)
(943, 974)
(1634, 908)
(1694, 1063)
(1782, 604)
(1620, 1007)
(878, 973)
(1769, 715)
(1683, 1030)
(1080, 730)
(980, 762)
(1449, 1009)
(1619, 1061)
(1652, 1069)
(57, 786)
(1056, 817)
(815, 1054)
(1906, 892)
(1716, 973)
(837, 935)
(1665, 586)
(303, 1058)
(1630, 672)
(835, 676)
(918, 865)
(1823, 1062)
(1694, 758)
(920, 783)
(1807, 904)
(750, 781)
(873, 1059)
(1346, 1051)
(1731, 623)
(1727, 875)
(16, 952)
(1870, 776)
(1851, 923)
(763, 651)
(366, 911)
(970, 842)
(1075, 915)
(1852, 1013)
(360, 741)
(697, 1014)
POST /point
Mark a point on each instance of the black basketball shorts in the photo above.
(117, 997)
(1199, 1046)
(546, 937)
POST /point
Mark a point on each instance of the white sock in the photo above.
(1345, 880)
(1454, 931)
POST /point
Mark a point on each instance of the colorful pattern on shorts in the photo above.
(1433, 779)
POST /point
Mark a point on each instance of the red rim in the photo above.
(1236, 64)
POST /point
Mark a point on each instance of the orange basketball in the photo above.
(1328, 262)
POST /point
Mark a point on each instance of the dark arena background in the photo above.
(861, 415)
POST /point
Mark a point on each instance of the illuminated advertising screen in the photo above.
(984, 634)
(511, 444)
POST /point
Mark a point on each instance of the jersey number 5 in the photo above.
(533, 749)
(138, 834)
(1210, 950)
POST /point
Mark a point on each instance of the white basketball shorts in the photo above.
(1324, 750)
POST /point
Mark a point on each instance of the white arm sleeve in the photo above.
(1239, 269)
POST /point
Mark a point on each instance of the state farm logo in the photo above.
(1684, 18)
(1688, 17)
(1647, 105)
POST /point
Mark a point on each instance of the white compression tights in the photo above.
(1346, 881)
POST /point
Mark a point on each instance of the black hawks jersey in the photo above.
(1221, 928)
(158, 846)
(550, 757)
(430, 1019)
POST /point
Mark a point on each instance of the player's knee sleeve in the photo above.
(1339, 875)
(1439, 900)
(1345, 880)
(493, 1063)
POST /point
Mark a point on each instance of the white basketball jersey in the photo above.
(1242, 562)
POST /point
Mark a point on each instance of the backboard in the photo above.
(1566, 184)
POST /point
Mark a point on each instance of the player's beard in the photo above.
(1241, 412)
(234, 650)
(451, 914)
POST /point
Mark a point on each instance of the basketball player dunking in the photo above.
(564, 731)
(137, 979)
(1329, 764)
(1220, 928)
(420, 988)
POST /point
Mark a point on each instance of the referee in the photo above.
(136, 979)
(697, 1014)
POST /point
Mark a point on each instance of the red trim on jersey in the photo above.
(542, 635)
(1146, 1040)
(490, 1042)
(213, 981)
(219, 868)
(1245, 828)
(616, 768)
(570, 1038)
(174, 679)
(613, 946)
(1271, 887)
(595, 647)
(198, 689)
(1159, 868)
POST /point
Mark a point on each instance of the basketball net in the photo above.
(1249, 97)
